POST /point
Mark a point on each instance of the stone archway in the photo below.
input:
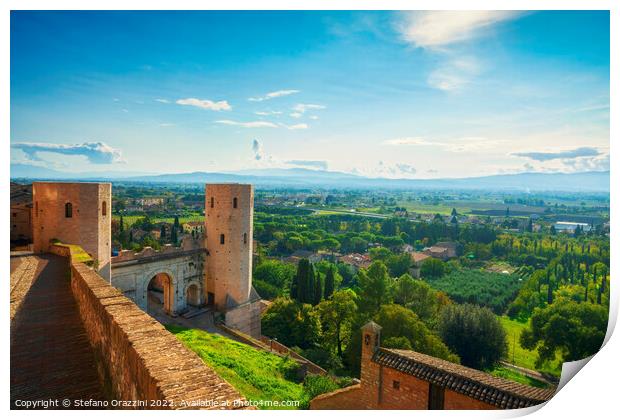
(160, 294)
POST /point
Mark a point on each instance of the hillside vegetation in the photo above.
(259, 376)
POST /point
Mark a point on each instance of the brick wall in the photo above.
(137, 359)
(455, 401)
(342, 399)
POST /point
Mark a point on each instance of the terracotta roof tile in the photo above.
(480, 385)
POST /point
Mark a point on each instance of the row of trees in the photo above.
(412, 314)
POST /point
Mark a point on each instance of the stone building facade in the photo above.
(177, 271)
(395, 379)
(74, 213)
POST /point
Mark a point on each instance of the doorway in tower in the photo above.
(160, 295)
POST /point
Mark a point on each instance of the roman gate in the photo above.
(168, 280)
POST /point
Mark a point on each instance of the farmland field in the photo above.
(519, 356)
(479, 287)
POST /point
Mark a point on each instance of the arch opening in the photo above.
(160, 295)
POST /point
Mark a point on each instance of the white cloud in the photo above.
(302, 126)
(453, 74)
(437, 29)
(561, 154)
(166, 124)
(163, 101)
(456, 145)
(301, 108)
(95, 152)
(249, 124)
(265, 113)
(313, 117)
(296, 114)
(272, 95)
(205, 104)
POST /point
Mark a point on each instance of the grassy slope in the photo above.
(512, 375)
(255, 374)
(523, 357)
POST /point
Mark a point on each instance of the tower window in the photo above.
(36, 208)
(212, 202)
(68, 210)
(235, 203)
(245, 238)
(222, 239)
(104, 208)
(396, 384)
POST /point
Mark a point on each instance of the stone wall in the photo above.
(137, 358)
(245, 318)
(342, 399)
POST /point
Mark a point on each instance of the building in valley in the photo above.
(408, 380)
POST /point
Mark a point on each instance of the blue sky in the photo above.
(392, 94)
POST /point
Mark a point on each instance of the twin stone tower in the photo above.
(80, 213)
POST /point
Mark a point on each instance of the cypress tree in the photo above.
(310, 284)
(173, 236)
(122, 225)
(303, 272)
(329, 283)
(318, 289)
(162, 232)
(549, 289)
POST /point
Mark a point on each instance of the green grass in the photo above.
(257, 375)
(515, 376)
(519, 356)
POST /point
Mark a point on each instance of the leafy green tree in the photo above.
(273, 278)
(397, 321)
(402, 343)
(374, 284)
(418, 296)
(380, 254)
(398, 264)
(291, 323)
(337, 316)
(432, 268)
(575, 329)
(474, 333)
(331, 245)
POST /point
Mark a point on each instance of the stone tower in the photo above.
(76, 213)
(229, 212)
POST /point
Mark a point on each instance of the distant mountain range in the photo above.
(308, 178)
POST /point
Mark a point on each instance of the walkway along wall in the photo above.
(138, 359)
